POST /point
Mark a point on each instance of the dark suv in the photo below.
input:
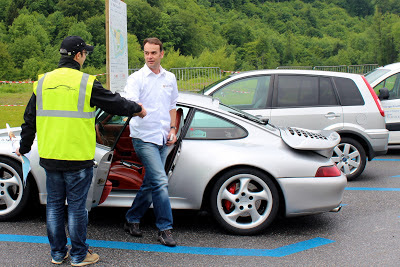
(338, 101)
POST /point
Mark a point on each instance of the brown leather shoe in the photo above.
(133, 229)
(165, 238)
(89, 259)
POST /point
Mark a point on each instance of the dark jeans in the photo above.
(72, 186)
(155, 186)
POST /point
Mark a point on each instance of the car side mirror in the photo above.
(383, 93)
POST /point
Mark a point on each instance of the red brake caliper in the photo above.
(231, 188)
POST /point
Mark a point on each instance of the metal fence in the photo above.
(360, 69)
(194, 78)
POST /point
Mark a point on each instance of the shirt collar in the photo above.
(148, 71)
(66, 62)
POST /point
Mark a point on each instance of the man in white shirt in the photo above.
(156, 89)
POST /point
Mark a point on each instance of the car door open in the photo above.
(120, 168)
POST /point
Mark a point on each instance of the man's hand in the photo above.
(142, 113)
(171, 137)
(17, 152)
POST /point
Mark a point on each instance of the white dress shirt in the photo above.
(158, 93)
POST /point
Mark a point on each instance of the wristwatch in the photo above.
(173, 127)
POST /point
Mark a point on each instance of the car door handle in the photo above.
(332, 115)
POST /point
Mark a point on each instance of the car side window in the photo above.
(327, 96)
(392, 83)
(248, 93)
(205, 126)
(296, 90)
(349, 94)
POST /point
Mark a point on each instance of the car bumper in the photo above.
(394, 139)
(312, 195)
(378, 140)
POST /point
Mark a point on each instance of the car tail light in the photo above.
(376, 99)
(328, 171)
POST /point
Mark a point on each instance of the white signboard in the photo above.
(117, 51)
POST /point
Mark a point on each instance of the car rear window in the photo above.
(304, 90)
(348, 92)
(205, 126)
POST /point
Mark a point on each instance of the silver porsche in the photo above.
(242, 170)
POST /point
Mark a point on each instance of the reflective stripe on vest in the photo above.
(64, 113)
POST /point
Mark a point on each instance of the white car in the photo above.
(226, 161)
(386, 83)
(318, 100)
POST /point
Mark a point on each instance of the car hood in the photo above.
(320, 141)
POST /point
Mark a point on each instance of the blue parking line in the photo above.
(277, 252)
(371, 189)
(386, 159)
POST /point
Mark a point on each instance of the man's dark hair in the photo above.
(153, 40)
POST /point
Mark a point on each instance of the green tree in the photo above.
(174, 59)
(60, 27)
(135, 53)
(96, 26)
(55, 27)
(23, 48)
(290, 49)
(29, 24)
(3, 32)
(218, 58)
(13, 10)
(396, 38)
(143, 19)
(81, 9)
(237, 33)
(6, 63)
(4, 11)
(45, 7)
(32, 67)
(359, 8)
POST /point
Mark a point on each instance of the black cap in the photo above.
(74, 44)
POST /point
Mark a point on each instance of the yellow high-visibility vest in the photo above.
(64, 118)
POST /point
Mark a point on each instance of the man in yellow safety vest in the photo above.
(62, 112)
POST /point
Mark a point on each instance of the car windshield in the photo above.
(214, 83)
(375, 74)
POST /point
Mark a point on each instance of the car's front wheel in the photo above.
(350, 157)
(13, 195)
(244, 201)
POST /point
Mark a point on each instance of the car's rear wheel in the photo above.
(350, 157)
(13, 195)
(244, 201)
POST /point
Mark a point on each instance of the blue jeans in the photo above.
(73, 186)
(155, 186)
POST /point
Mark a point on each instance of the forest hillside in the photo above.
(230, 34)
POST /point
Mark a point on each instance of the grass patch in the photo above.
(13, 94)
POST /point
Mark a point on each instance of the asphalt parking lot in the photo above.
(366, 232)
